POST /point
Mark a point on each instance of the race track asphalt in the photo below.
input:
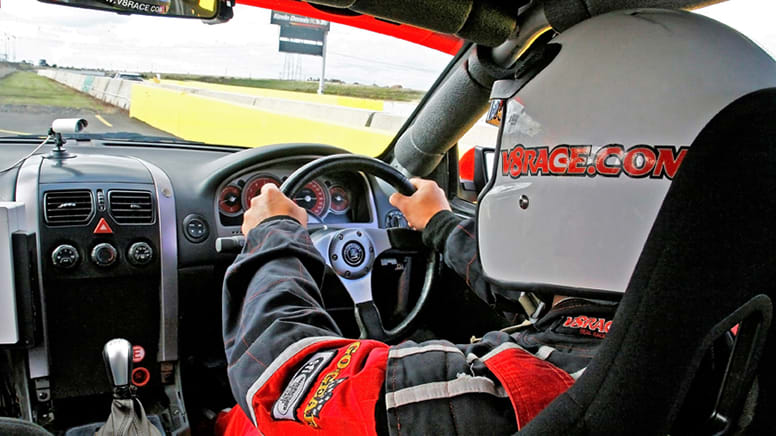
(35, 120)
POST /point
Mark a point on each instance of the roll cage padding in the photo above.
(562, 14)
(709, 262)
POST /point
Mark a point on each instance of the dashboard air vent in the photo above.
(63, 208)
(131, 207)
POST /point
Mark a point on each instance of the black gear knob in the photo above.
(117, 354)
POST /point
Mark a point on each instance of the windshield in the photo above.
(239, 83)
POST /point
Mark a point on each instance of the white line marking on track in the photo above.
(99, 117)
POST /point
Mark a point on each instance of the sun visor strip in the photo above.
(486, 22)
(562, 14)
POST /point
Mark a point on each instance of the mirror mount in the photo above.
(225, 12)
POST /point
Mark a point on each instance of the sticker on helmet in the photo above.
(655, 162)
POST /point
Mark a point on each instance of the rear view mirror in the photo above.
(474, 169)
(202, 9)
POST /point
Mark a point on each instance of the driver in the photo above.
(291, 370)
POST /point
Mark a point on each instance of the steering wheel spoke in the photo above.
(351, 252)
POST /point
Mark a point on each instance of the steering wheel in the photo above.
(351, 252)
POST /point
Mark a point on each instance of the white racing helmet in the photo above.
(590, 145)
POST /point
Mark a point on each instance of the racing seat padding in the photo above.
(711, 249)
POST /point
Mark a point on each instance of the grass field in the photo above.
(361, 91)
(28, 88)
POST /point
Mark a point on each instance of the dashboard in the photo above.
(126, 236)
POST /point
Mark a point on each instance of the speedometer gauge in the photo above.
(229, 200)
(253, 188)
(340, 199)
(314, 198)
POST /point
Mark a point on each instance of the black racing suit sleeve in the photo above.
(271, 299)
(272, 303)
(455, 238)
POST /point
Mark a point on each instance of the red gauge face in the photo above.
(313, 198)
(340, 199)
(229, 200)
(253, 188)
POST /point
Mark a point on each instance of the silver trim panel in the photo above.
(168, 241)
(27, 193)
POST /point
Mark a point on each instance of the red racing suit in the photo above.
(292, 372)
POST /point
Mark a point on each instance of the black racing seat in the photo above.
(18, 427)
(709, 263)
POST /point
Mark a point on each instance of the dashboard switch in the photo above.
(65, 256)
(140, 253)
(103, 228)
(195, 228)
(104, 254)
(140, 376)
(394, 219)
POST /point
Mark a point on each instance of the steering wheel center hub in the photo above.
(351, 253)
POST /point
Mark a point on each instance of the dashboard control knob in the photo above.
(195, 228)
(104, 254)
(65, 256)
(140, 253)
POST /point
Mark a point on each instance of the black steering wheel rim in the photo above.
(367, 315)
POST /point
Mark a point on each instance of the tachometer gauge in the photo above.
(340, 200)
(229, 200)
(253, 187)
(313, 198)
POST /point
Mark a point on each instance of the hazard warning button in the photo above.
(103, 228)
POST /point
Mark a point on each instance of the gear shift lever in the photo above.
(127, 416)
(117, 356)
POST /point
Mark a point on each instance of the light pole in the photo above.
(322, 81)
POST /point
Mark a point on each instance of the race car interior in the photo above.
(130, 238)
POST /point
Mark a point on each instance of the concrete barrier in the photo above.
(200, 118)
(325, 99)
(324, 112)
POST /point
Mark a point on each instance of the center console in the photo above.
(107, 264)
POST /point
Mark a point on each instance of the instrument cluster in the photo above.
(328, 198)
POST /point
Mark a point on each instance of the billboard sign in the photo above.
(299, 34)
(285, 19)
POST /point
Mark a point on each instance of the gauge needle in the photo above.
(305, 198)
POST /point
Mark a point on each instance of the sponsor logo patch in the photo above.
(613, 160)
(588, 325)
(325, 389)
(299, 386)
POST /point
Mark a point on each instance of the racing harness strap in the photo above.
(530, 382)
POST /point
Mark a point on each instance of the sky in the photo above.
(247, 46)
